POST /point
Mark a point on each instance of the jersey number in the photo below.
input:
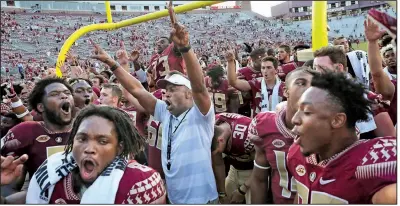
(283, 174)
(155, 139)
(164, 61)
(239, 131)
(316, 197)
(219, 102)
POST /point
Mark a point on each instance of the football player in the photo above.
(267, 91)
(167, 59)
(329, 163)
(52, 98)
(285, 65)
(224, 97)
(334, 59)
(271, 134)
(251, 72)
(231, 139)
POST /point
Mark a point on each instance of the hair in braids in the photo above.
(133, 143)
(346, 94)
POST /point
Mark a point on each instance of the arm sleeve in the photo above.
(378, 167)
(210, 116)
(208, 120)
(16, 141)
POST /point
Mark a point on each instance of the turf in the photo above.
(362, 46)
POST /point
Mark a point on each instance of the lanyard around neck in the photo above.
(170, 134)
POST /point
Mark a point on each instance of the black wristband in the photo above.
(240, 191)
(12, 95)
(114, 67)
(184, 49)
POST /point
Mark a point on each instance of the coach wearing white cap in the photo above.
(188, 119)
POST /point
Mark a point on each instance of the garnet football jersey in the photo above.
(131, 111)
(35, 140)
(219, 96)
(352, 176)
(240, 152)
(165, 62)
(268, 131)
(257, 95)
(392, 109)
(154, 138)
(285, 69)
(139, 185)
(247, 73)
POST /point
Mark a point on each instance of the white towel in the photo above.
(368, 125)
(265, 101)
(57, 166)
(359, 62)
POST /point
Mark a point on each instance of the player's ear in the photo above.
(188, 93)
(339, 120)
(40, 108)
(115, 99)
(285, 91)
(340, 68)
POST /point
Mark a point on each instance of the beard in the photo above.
(54, 117)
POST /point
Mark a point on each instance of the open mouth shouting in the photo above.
(66, 108)
(168, 103)
(88, 170)
(297, 136)
(87, 102)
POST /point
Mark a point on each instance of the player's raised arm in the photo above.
(239, 84)
(381, 81)
(130, 83)
(180, 37)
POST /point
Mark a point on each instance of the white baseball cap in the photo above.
(176, 79)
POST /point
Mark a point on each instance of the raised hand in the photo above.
(11, 169)
(372, 31)
(71, 58)
(122, 55)
(230, 55)
(134, 55)
(179, 34)
(100, 54)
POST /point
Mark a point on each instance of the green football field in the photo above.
(362, 46)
